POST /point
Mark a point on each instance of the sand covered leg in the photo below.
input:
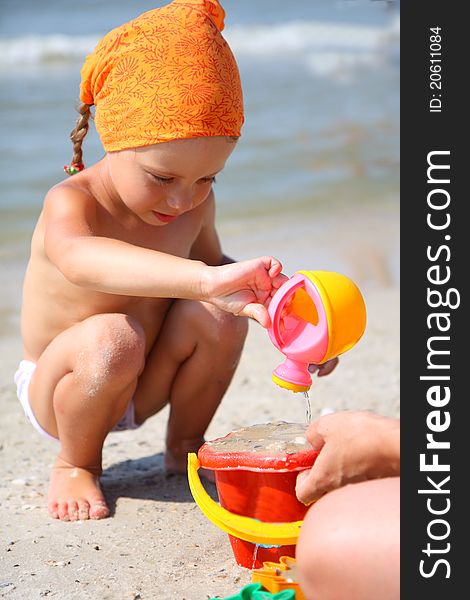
(81, 388)
(190, 366)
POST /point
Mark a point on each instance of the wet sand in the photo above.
(158, 544)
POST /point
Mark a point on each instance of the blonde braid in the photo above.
(77, 136)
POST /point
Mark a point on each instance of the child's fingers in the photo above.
(324, 369)
(257, 312)
(327, 367)
(278, 280)
(275, 267)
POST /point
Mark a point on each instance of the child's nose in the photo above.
(181, 201)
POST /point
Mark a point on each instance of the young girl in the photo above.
(129, 302)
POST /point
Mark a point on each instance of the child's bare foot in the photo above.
(75, 493)
(176, 459)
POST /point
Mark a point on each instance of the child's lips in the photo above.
(165, 218)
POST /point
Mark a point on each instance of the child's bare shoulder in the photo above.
(70, 198)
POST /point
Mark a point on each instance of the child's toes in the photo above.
(53, 510)
(73, 510)
(99, 510)
(83, 510)
(63, 510)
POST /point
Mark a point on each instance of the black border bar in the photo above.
(435, 257)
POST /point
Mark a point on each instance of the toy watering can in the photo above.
(315, 316)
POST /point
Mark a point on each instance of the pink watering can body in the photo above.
(315, 316)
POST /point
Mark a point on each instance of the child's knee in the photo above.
(114, 349)
(230, 330)
(222, 329)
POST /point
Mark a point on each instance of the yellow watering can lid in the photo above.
(344, 308)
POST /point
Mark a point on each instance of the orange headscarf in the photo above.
(167, 74)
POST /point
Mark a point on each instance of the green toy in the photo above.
(255, 591)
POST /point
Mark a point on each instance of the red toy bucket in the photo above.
(259, 485)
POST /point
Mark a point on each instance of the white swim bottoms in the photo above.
(23, 376)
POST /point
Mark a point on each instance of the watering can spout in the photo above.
(292, 375)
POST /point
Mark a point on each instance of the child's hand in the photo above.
(245, 288)
(354, 446)
(324, 369)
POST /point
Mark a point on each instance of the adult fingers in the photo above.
(315, 438)
(307, 488)
(315, 482)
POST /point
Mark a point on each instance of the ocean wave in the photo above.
(323, 45)
(327, 49)
(45, 49)
(302, 36)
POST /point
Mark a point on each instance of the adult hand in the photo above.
(354, 446)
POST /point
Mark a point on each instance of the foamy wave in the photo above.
(301, 36)
(37, 50)
(328, 49)
(325, 47)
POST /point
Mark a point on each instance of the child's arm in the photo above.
(112, 266)
(354, 446)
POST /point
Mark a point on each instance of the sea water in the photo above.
(320, 84)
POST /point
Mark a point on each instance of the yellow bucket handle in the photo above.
(244, 528)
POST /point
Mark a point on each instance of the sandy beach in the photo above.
(157, 543)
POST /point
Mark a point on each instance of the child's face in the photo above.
(161, 182)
